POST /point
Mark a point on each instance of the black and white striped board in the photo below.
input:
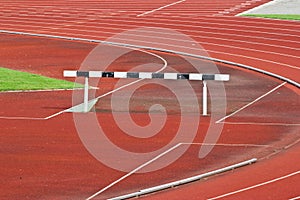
(147, 75)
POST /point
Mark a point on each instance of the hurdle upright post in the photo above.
(86, 94)
(204, 98)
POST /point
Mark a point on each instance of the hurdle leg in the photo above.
(86, 95)
(204, 98)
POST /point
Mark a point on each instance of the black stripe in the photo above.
(183, 76)
(157, 75)
(132, 75)
(83, 74)
(107, 74)
(207, 77)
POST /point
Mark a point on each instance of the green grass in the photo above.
(275, 16)
(11, 80)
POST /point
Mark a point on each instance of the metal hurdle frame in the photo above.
(146, 75)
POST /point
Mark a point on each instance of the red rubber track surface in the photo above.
(44, 159)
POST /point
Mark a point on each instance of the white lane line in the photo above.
(261, 123)
(151, 11)
(295, 198)
(228, 145)
(249, 104)
(133, 171)
(55, 114)
(36, 91)
(255, 186)
(21, 118)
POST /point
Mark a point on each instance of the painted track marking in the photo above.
(255, 186)
(249, 104)
(261, 123)
(228, 145)
(160, 8)
(133, 171)
(22, 118)
(295, 198)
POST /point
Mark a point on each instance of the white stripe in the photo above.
(69, 73)
(171, 76)
(255, 186)
(222, 77)
(48, 90)
(95, 74)
(262, 123)
(120, 74)
(134, 171)
(196, 77)
(249, 104)
(228, 145)
(21, 118)
(151, 11)
(295, 198)
(145, 75)
(55, 114)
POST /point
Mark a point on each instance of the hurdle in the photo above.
(146, 75)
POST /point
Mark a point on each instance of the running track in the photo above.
(260, 43)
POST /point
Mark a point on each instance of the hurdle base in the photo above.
(81, 107)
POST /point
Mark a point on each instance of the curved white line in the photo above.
(162, 7)
(256, 186)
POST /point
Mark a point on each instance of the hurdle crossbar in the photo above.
(147, 75)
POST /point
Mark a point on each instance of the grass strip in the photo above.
(275, 16)
(12, 80)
